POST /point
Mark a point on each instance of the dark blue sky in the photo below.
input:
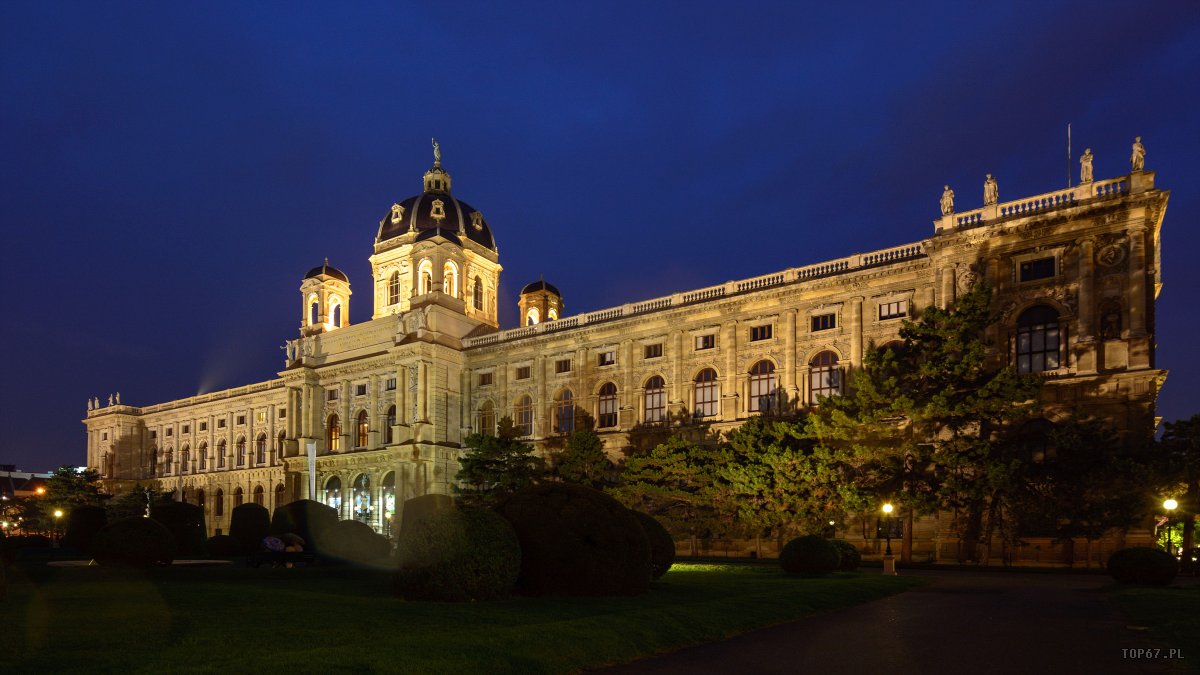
(169, 172)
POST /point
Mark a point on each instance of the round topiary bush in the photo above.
(458, 556)
(809, 556)
(223, 546)
(1146, 566)
(354, 541)
(576, 541)
(138, 542)
(186, 524)
(248, 525)
(307, 519)
(851, 558)
(82, 526)
(662, 544)
(15, 543)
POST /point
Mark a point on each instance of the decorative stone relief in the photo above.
(438, 211)
(412, 390)
(1062, 295)
(477, 220)
(1111, 255)
(967, 279)
(397, 214)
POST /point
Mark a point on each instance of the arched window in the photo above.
(185, 459)
(564, 412)
(824, 376)
(708, 393)
(280, 492)
(485, 419)
(362, 498)
(219, 502)
(333, 434)
(258, 495)
(388, 437)
(762, 386)
(314, 312)
(241, 451)
(221, 454)
(532, 316)
(238, 497)
(450, 279)
(478, 293)
(279, 447)
(260, 450)
(1038, 340)
(387, 496)
(656, 400)
(335, 315)
(200, 498)
(203, 456)
(168, 459)
(607, 417)
(425, 277)
(1110, 320)
(552, 314)
(523, 416)
(360, 430)
(394, 289)
(333, 493)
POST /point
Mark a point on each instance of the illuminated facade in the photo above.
(386, 404)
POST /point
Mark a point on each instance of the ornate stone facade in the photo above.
(383, 407)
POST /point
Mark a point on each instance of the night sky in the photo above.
(170, 172)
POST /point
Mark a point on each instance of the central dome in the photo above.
(434, 212)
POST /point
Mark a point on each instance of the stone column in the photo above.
(629, 411)
(401, 387)
(1136, 298)
(729, 378)
(789, 357)
(541, 409)
(1087, 312)
(947, 296)
(422, 391)
(856, 332)
(676, 356)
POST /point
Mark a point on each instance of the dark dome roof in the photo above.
(439, 231)
(540, 285)
(459, 217)
(328, 270)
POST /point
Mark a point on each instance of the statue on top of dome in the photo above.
(437, 153)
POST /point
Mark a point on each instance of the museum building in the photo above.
(365, 416)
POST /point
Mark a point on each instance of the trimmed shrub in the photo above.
(223, 546)
(355, 541)
(138, 542)
(82, 526)
(809, 556)
(458, 556)
(414, 510)
(662, 544)
(248, 525)
(1145, 566)
(186, 524)
(576, 541)
(305, 518)
(851, 558)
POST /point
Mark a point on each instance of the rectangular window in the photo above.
(104, 436)
(360, 390)
(522, 372)
(331, 394)
(153, 433)
(608, 358)
(760, 333)
(824, 322)
(221, 423)
(260, 416)
(170, 431)
(282, 413)
(390, 385)
(187, 428)
(241, 419)
(705, 342)
(204, 426)
(562, 366)
(653, 351)
(485, 379)
(1042, 268)
(893, 310)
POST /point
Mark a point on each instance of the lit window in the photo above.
(394, 289)
(450, 279)
(314, 313)
(1042, 268)
(655, 400)
(893, 310)
(523, 372)
(532, 316)
(562, 366)
(824, 322)
(333, 434)
(760, 333)
(825, 378)
(1038, 340)
(333, 493)
(362, 499)
(360, 435)
(523, 416)
(762, 386)
(608, 406)
(564, 412)
(608, 358)
(485, 379)
(708, 393)
(705, 342)
(425, 277)
(485, 419)
(652, 351)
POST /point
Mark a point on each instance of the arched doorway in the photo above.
(333, 494)
(362, 499)
(388, 497)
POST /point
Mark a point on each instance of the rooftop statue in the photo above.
(437, 153)
(1085, 166)
(1137, 160)
(991, 191)
(947, 201)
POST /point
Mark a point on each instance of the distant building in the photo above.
(386, 404)
(15, 484)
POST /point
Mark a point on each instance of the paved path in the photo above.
(966, 623)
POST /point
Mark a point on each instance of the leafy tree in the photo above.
(136, 502)
(1178, 465)
(583, 460)
(69, 487)
(494, 467)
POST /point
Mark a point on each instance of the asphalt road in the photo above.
(968, 623)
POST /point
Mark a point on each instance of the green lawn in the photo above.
(341, 619)
(1172, 614)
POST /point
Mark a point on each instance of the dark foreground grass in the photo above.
(1172, 614)
(321, 620)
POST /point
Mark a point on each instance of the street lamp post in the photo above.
(58, 514)
(889, 560)
(1170, 506)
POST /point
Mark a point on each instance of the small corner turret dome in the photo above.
(540, 285)
(329, 271)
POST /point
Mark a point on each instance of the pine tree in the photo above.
(1178, 465)
(583, 460)
(494, 467)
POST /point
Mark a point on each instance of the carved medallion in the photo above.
(397, 214)
(967, 280)
(1111, 255)
(438, 210)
